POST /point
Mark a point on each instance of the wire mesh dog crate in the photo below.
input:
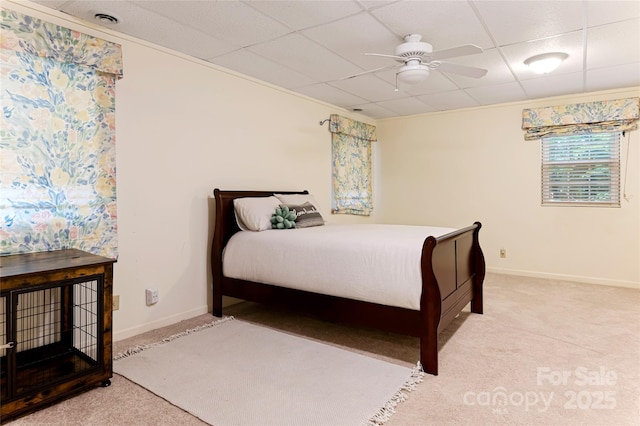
(55, 334)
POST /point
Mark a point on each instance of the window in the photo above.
(581, 170)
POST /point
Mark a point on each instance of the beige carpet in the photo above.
(267, 377)
(532, 329)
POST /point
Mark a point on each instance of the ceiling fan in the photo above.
(417, 59)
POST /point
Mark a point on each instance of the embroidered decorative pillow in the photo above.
(306, 215)
(297, 199)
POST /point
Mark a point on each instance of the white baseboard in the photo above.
(143, 328)
(564, 277)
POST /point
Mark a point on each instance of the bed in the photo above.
(451, 273)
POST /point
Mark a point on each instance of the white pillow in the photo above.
(254, 213)
(298, 199)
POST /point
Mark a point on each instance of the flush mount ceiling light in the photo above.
(545, 63)
(106, 18)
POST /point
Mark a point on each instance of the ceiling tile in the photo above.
(371, 37)
(406, 106)
(449, 100)
(330, 94)
(489, 95)
(517, 21)
(229, 21)
(604, 12)
(491, 60)
(554, 85)
(373, 4)
(261, 68)
(304, 14)
(625, 76)
(570, 44)
(54, 4)
(443, 24)
(306, 57)
(368, 87)
(374, 110)
(614, 44)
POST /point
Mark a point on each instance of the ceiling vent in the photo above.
(106, 18)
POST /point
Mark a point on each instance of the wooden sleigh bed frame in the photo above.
(453, 270)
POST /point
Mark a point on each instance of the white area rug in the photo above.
(235, 373)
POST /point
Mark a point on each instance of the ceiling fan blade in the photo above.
(388, 67)
(461, 69)
(399, 58)
(467, 49)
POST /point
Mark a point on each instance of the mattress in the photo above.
(371, 263)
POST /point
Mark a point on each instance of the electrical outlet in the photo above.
(116, 302)
(503, 253)
(152, 296)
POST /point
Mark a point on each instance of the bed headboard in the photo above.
(225, 221)
(225, 224)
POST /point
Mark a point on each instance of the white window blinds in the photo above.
(581, 170)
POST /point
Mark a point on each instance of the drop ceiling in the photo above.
(310, 47)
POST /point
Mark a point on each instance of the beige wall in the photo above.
(454, 168)
(184, 128)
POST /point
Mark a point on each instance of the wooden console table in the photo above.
(55, 327)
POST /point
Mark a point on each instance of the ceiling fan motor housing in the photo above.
(413, 47)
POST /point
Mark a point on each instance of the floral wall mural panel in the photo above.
(57, 152)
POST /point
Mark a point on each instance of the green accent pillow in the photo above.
(283, 218)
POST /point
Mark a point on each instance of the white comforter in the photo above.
(372, 263)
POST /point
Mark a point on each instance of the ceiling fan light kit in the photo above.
(546, 62)
(413, 73)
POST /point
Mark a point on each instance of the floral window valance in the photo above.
(23, 33)
(347, 126)
(592, 117)
(351, 159)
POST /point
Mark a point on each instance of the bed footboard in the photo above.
(453, 270)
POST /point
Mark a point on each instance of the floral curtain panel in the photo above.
(592, 117)
(352, 164)
(57, 138)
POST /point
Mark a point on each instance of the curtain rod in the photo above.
(324, 121)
